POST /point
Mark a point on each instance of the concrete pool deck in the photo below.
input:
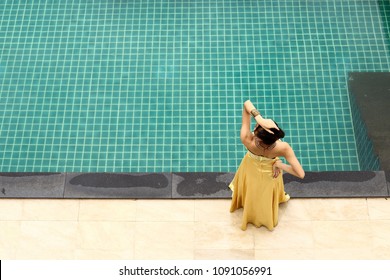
(191, 229)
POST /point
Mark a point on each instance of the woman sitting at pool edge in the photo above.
(258, 183)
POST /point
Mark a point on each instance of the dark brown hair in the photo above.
(269, 138)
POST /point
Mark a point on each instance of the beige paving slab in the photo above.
(285, 254)
(222, 235)
(380, 234)
(47, 240)
(105, 235)
(379, 208)
(8, 254)
(340, 209)
(165, 210)
(227, 254)
(287, 235)
(342, 234)
(164, 240)
(107, 210)
(50, 210)
(295, 210)
(216, 210)
(10, 234)
(11, 209)
(381, 253)
(344, 254)
(325, 209)
(103, 255)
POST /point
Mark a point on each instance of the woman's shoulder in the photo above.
(283, 146)
(247, 139)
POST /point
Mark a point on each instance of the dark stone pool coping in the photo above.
(184, 185)
(371, 92)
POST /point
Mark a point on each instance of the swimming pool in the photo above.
(149, 86)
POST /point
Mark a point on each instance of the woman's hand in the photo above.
(267, 124)
(276, 169)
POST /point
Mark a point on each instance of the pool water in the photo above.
(150, 86)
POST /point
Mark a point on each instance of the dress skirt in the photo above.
(257, 191)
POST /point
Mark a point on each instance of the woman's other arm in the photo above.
(294, 167)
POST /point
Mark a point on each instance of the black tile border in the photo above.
(32, 185)
(338, 184)
(184, 185)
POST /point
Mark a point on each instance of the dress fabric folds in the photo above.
(257, 192)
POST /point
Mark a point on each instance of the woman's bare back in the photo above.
(272, 151)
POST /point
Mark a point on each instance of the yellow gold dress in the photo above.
(257, 191)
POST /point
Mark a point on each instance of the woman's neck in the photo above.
(259, 144)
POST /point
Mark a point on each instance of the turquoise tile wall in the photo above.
(146, 86)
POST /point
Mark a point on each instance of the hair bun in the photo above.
(269, 138)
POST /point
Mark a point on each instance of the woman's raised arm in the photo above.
(267, 124)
